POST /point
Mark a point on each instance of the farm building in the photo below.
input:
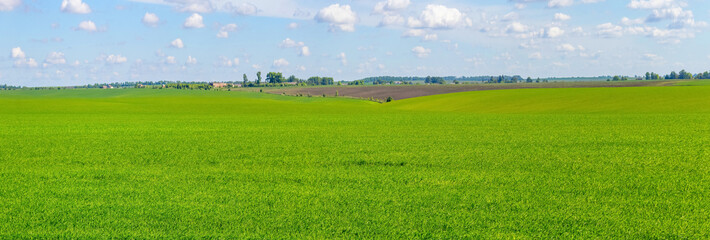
(218, 85)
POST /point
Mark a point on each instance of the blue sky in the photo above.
(71, 42)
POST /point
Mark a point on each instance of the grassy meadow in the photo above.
(523, 164)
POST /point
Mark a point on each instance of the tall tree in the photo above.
(246, 80)
(258, 78)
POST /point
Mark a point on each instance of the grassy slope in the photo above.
(569, 163)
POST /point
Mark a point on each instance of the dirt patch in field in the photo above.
(410, 91)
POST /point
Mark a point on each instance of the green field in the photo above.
(523, 164)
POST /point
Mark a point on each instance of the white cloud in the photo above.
(226, 29)
(289, 43)
(609, 30)
(170, 60)
(293, 25)
(439, 17)
(245, 9)
(559, 3)
(17, 53)
(88, 26)
(305, 51)
(340, 17)
(554, 32)
(194, 21)
(566, 48)
(226, 62)
(55, 58)
(9, 5)
(421, 52)
(196, 6)
(280, 63)
(191, 60)
(150, 19)
(628, 21)
(652, 57)
(177, 43)
(562, 17)
(29, 63)
(653, 4)
(115, 59)
(535, 55)
(516, 27)
(391, 5)
(75, 6)
(391, 19)
(343, 59)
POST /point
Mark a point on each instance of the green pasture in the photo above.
(510, 164)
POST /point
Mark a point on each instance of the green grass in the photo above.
(530, 164)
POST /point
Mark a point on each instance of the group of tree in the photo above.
(434, 80)
(9, 87)
(687, 75)
(278, 79)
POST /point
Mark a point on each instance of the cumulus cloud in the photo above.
(343, 59)
(339, 17)
(20, 59)
(305, 51)
(516, 27)
(88, 26)
(195, 6)
(115, 59)
(17, 53)
(226, 62)
(280, 63)
(654, 4)
(193, 21)
(390, 6)
(535, 55)
(421, 52)
(562, 17)
(55, 58)
(609, 30)
(390, 19)
(554, 32)
(9, 5)
(652, 57)
(191, 60)
(177, 43)
(75, 6)
(25, 63)
(169, 60)
(293, 25)
(150, 19)
(566, 48)
(420, 33)
(559, 3)
(226, 29)
(439, 17)
(244, 9)
(289, 43)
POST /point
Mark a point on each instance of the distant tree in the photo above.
(258, 78)
(673, 75)
(275, 77)
(456, 81)
(616, 78)
(528, 80)
(292, 78)
(245, 81)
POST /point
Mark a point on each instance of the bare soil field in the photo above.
(382, 92)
